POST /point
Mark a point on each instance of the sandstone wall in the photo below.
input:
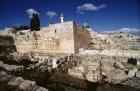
(7, 44)
(120, 53)
(81, 38)
(57, 38)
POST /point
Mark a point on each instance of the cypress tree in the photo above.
(35, 23)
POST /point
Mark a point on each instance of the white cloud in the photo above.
(89, 7)
(133, 31)
(130, 31)
(31, 11)
(51, 14)
(101, 6)
(80, 12)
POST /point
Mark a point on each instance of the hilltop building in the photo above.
(64, 37)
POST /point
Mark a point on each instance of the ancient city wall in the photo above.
(81, 38)
(57, 38)
(63, 34)
(127, 53)
(7, 44)
(63, 37)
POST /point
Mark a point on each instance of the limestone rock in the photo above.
(107, 65)
(77, 72)
(42, 89)
(89, 71)
(116, 76)
(138, 74)
(26, 85)
(15, 82)
(132, 73)
(134, 82)
(119, 65)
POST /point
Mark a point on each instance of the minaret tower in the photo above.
(62, 18)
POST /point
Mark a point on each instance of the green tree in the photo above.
(85, 25)
(35, 23)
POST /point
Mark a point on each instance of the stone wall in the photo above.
(127, 53)
(81, 38)
(52, 40)
(7, 44)
(56, 38)
(63, 37)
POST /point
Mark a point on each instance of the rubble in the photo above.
(77, 72)
(134, 82)
(42, 89)
(19, 83)
(116, 76)
(11, 68)
(92, 68)
(119, 65)
(15, 81)
(132, 72)
(4, 77)
(138, 74)
(27, 85)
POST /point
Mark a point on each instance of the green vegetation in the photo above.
(35, 23)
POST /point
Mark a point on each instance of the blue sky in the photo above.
(101, 15)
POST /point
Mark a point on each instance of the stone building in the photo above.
(63, 37)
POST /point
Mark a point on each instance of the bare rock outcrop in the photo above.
(115, 76)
